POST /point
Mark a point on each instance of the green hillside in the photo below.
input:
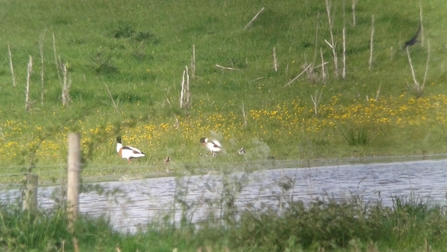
(138, 50)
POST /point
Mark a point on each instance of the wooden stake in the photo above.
(253, 19)
(74, 172)
(30, 198)
(371, 43)
(11, 66)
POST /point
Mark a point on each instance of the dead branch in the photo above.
(426, 65)
(275, 63)
(185, 93)
(28, 80)
(378, 92)
(316, 38)
(294, 79)
(323, 63)
(55, 59)
(260, 78)
(193, 62)
(226, 68)
(422, 27)
(416, 83)
(354, 2)
(111, 97)
(371, 43)
(65, 85)
(42, 75)
(243, 114)
(332, 45)
(253, 19)
(11, 66)
(343, 75)
(316, 100)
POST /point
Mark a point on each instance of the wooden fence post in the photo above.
(29, 202)
(74, 171)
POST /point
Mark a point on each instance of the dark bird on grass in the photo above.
(212, 145)
(413, 40)
(127, 152)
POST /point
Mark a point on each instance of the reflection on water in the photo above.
(130, 204)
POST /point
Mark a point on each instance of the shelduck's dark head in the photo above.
(203, 140)
(118, 139)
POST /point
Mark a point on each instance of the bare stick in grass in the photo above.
(416, 83)
(422, 27)
(426, 65)
(55, 59)
(316, 101)
(323, 70)
(371, 43)
(185, 94)
(316, 38)
(42, 74)
(28, 80)
(193, 62)
(11, 66)
(65, 86)
(253, 19)
(332, 44)
(226, 68)
(244, 115)
(111, 97)
(259, 78)
(343, 75)
(354, 2)
(378, 93)
(294, 79)
(275, 62)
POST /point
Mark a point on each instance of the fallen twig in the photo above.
(294, 79)
(253, 19)
(226, 68)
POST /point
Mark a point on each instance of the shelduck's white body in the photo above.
(213, 145)
(127, 152)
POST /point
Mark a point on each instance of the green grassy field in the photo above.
(139, 50)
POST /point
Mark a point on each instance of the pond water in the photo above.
(132, 204)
